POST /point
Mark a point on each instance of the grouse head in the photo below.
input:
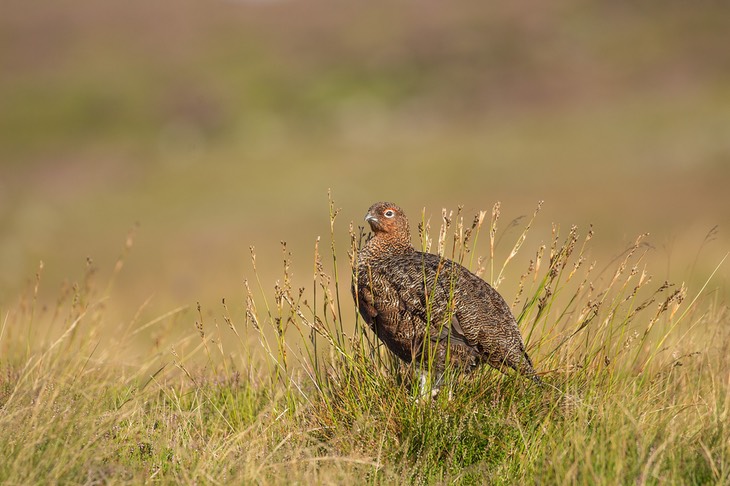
(389, 224)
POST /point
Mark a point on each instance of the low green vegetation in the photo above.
(290, 388)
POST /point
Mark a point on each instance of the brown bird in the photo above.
(430, 310)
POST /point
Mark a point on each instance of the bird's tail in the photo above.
(527, 369)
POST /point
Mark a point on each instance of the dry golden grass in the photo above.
(293, 389)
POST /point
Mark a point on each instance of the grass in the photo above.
(290, 387)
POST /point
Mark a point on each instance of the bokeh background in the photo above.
(211, 126)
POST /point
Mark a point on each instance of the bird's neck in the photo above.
(383, 246)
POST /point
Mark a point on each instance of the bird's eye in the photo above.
(389, 213)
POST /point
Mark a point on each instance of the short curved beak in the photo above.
(370, 218)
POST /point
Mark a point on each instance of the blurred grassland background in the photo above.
(215, 125)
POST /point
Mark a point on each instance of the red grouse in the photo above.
(430, 310)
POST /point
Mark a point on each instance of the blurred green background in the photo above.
(218, 125)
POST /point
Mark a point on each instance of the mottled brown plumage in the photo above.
(427, 309)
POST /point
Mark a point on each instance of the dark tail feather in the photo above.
(528, 370)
